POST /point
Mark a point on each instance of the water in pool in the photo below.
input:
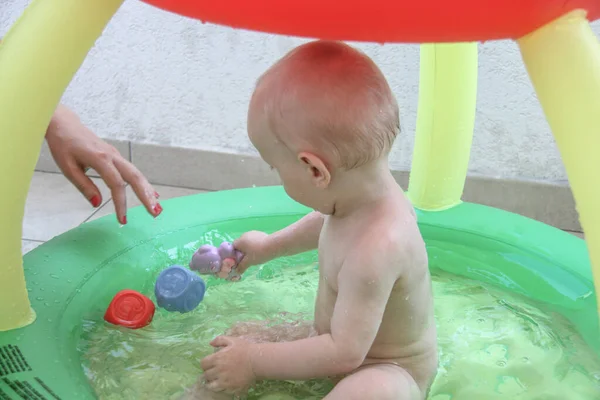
(493, 345)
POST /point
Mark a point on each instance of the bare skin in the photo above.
(75, 148)
(402, 358)
(374, 331)
(406, 337)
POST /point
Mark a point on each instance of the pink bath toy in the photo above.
(219, 261)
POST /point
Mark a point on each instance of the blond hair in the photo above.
(332, 99)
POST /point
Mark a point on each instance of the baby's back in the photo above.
(407, 334)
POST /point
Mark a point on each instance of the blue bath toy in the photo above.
(179, 289)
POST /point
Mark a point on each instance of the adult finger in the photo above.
(140, 185)
(83, 183)
(117, 185)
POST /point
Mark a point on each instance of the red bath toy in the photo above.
(130, 309)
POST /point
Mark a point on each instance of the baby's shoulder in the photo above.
(393, 241)
(381, 246)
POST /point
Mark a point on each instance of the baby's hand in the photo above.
(230, 368)
(254, 246)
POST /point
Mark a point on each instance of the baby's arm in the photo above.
(365, 283)
(301, 236)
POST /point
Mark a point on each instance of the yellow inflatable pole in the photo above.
(563, 61)
(38, 58)
(445, 120)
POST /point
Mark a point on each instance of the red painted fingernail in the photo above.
(95, 200)
(157, 209)
(124, 220)
(156, 195)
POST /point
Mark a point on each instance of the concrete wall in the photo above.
(158, 78)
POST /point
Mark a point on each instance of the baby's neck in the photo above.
(363, 187)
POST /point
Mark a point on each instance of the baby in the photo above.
(325, 118)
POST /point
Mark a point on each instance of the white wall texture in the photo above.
(160, 78)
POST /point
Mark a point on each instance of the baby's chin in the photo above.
(325, 209)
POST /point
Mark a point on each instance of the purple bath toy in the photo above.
(219, 261)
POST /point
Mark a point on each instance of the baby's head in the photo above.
(322, 111)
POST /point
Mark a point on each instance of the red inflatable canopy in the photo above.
(405, 21)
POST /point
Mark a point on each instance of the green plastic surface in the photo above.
(88, 265)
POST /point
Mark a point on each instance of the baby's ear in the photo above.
(317, 168)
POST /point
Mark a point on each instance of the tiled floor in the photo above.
(54, 206)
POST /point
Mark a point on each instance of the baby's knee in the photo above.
(377, 382)
(392, 388)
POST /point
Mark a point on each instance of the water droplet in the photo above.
(480, 320)
(39, 298)
(53, 276)
(525, 359)
(46, 304)
(501, 363)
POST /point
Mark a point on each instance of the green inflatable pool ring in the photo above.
(88, 265)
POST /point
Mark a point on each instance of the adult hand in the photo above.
(75, 149)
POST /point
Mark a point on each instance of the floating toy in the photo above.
(130, 309)
(179, 289)
(219, 261)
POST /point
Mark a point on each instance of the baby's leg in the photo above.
(377, 382)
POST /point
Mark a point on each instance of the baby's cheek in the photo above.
(294, 194)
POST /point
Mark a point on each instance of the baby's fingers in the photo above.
(214, 386)
(210, 374)
(243, 265)
(221, 341)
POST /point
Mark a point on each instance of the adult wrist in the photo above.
(62, 116)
